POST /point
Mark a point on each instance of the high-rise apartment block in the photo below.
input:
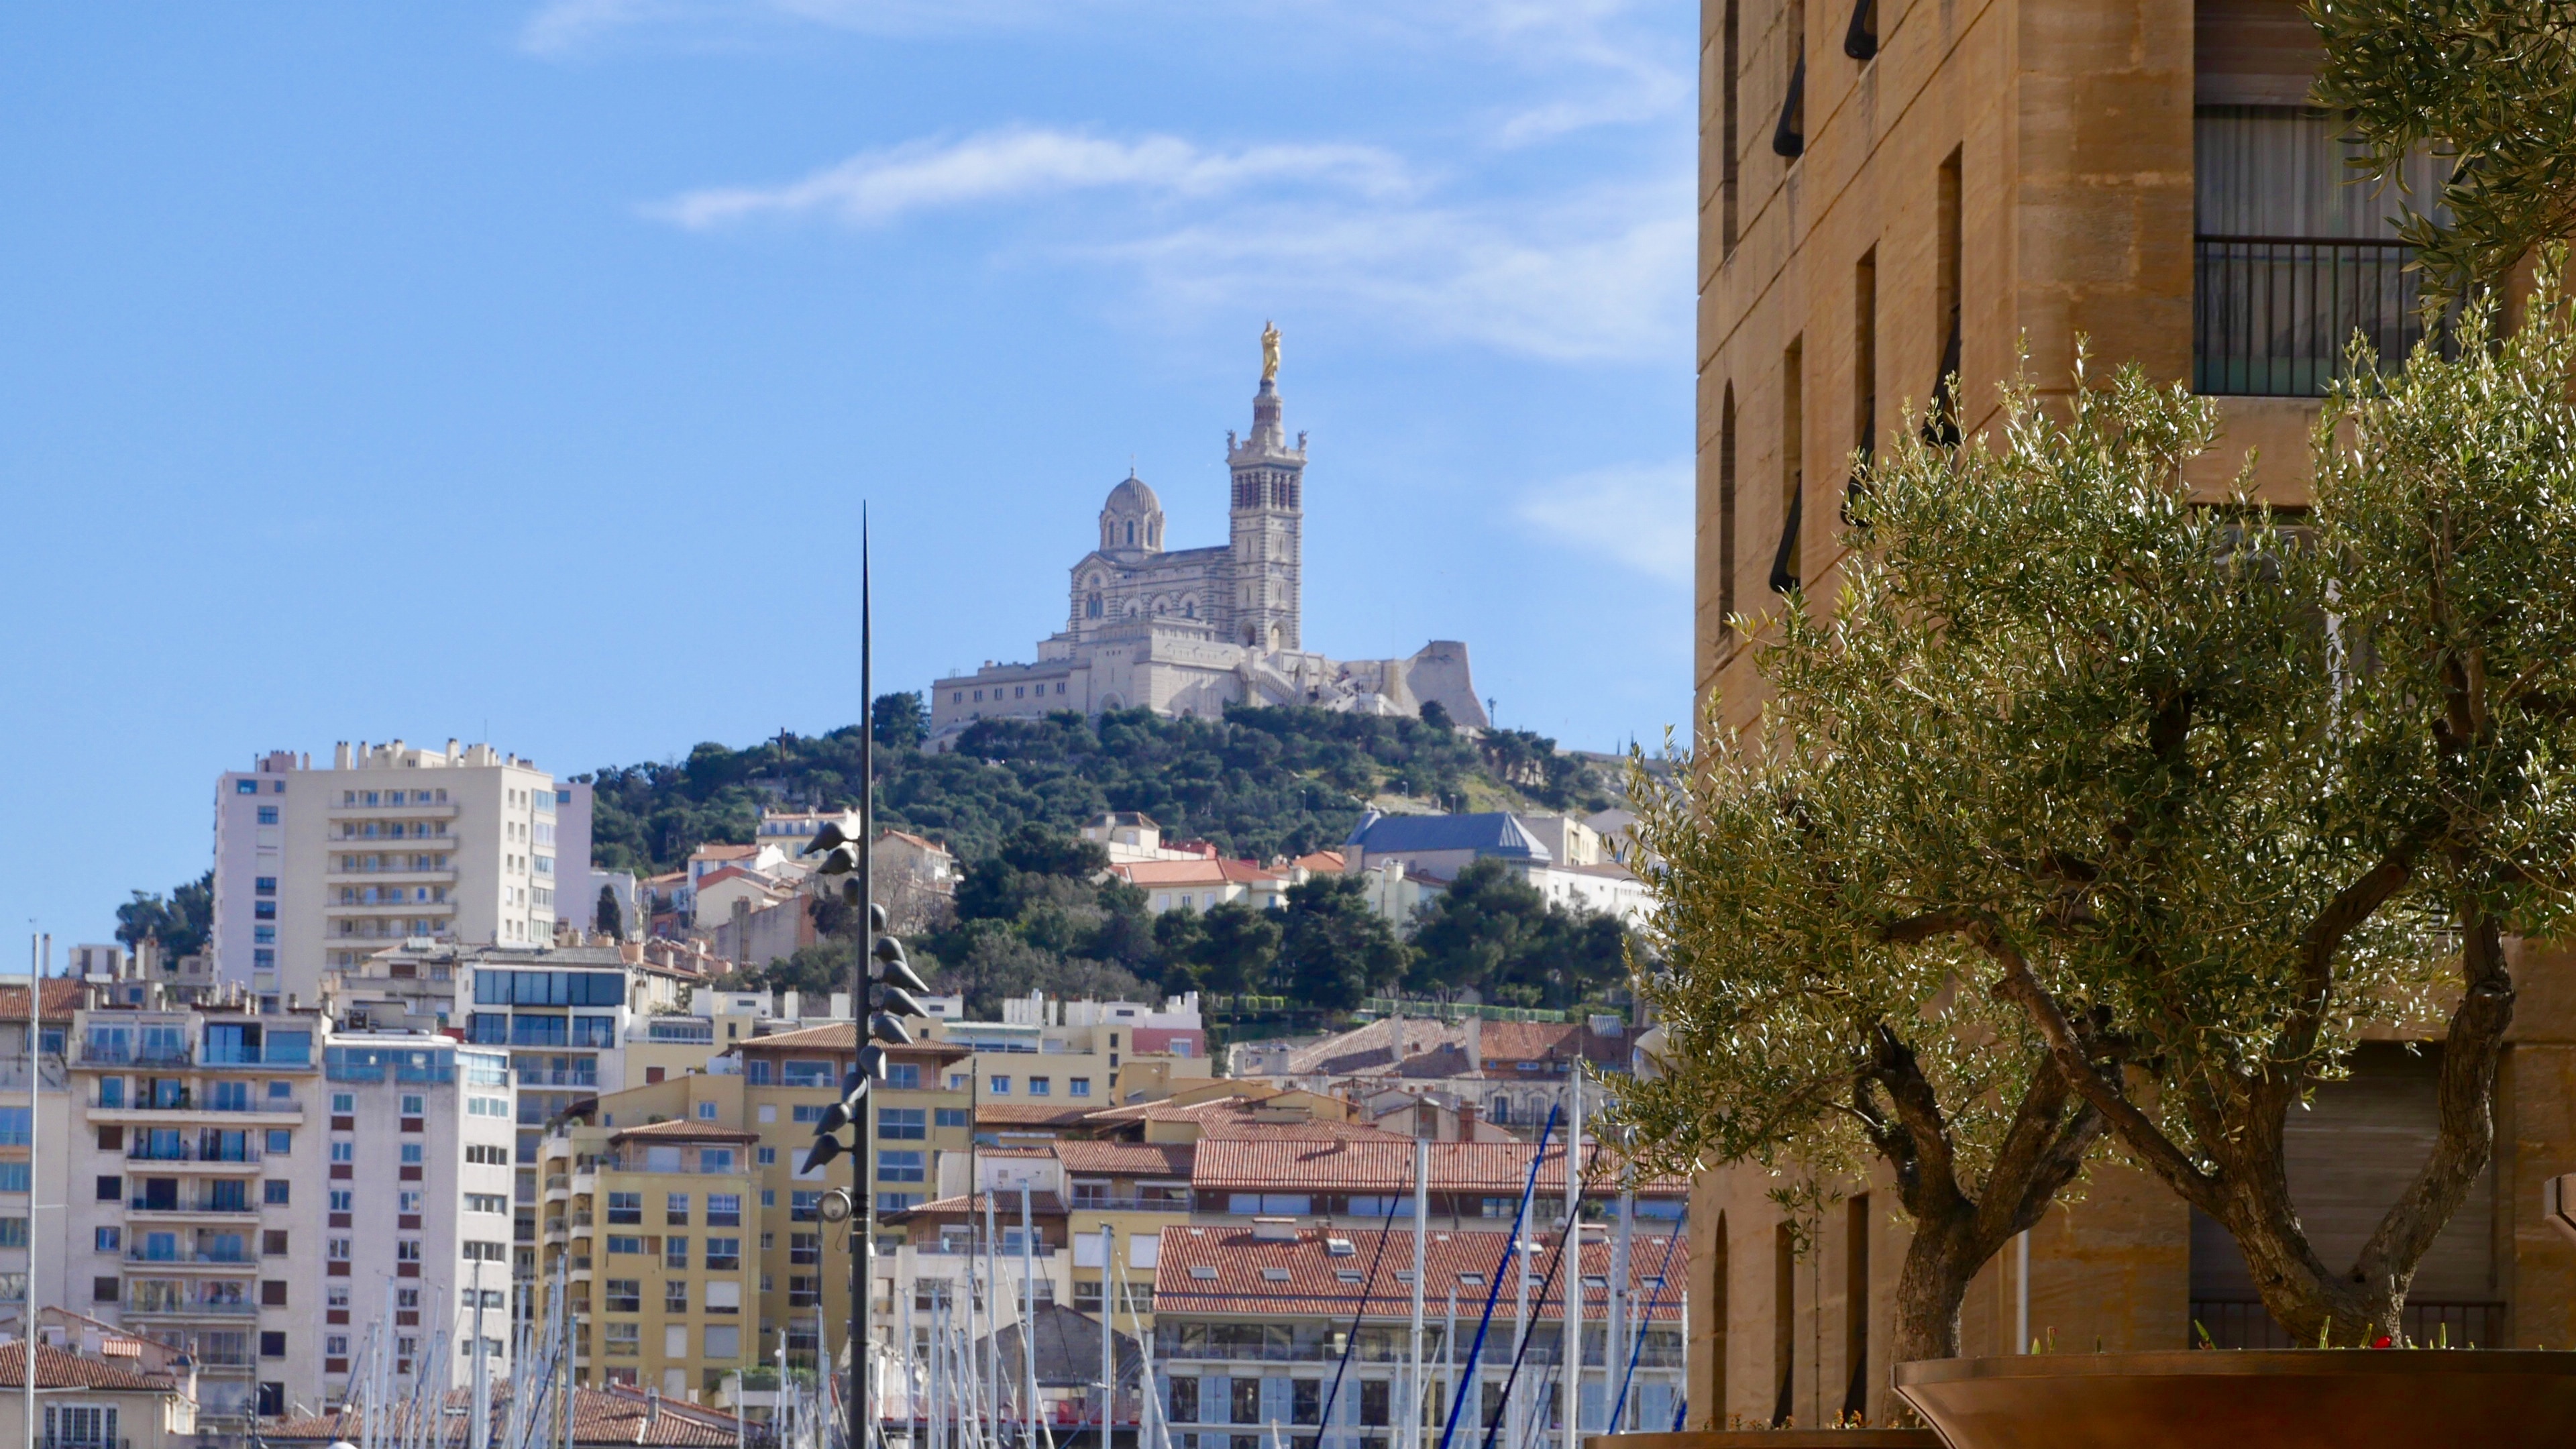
(261, 1191)
(316, 868)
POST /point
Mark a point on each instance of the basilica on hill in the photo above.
(1187, 632)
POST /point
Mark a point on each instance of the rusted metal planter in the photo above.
(2345, 1398)
(1773, 1440)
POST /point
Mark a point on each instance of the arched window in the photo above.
(1091, 607)
(1131, 531)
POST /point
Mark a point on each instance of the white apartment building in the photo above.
(316, 868)
(32, 1123)
(258, 1191)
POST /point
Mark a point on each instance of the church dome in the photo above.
(1132, 499)
(1132, 519)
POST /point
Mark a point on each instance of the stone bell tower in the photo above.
(1268, 506)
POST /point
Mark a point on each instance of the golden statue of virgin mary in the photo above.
(1269, 352)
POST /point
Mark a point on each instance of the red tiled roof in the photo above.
(1195, 872)
(1364, 1165)
(1323, 862)
(723, 852)
(1252, 1277)
(838, 1036)
(678, 1130)
(62, 1369)
(1126, 1159)
(62, 997)
(610, 1416)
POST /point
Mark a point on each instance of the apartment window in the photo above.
(896, 1202)
(956, 1116)
(108, 1240)
(1730, 149)
(706, 1110)
(807, 1112)
(407, 1250)
(103, 1290)
(675, 1295)
(272, 1242)
(263, 958)
(1787, 565)
(624, 1295)
(486, 1202)
(768, 1156)
(999, 1086)
(274, 1192)
(901, 1167)
(804, 1248)
(625, 1243)
(960, 1081)
(111, 1189)
(1041, 1086)
(675, 1252)
(723, 1342)
(1185, 1400)
(409, 1201)
(804, 1290)
(343, 1199)
(344, 1103)
(265, 885)
(268, 815)
(907, 1124)
(1373, 1402)
(804, 1207)
(1077, 1086)
(903, 1076)
(264, 911)
(1246, 1408)
(272, 1343)
(343, 1150)
(280, 1141)
(623, 1340)
(675, 1210)
(724, 1209)
(245, 787)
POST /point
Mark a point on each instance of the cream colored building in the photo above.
(317, 868)
(97, 1391)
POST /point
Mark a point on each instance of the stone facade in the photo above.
(1187, 632)
(1995, 176)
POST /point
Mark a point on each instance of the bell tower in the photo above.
(1267, 509)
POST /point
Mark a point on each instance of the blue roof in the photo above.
(1492, 833)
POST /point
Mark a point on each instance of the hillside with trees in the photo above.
(1257, 783)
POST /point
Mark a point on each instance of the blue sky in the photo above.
(515, 371)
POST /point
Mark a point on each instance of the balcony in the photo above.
(191, 1154)
(1103, 1204)
(238, 1258)
(188, 1308)
(198, 1208)
(2271, 316)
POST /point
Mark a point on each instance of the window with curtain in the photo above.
(2281, 171)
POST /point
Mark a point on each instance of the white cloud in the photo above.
(880, 186)
(1603, 276)
(1637, 516)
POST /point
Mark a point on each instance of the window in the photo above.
(407, 1250)
(624, 1295)
(1725, 471)
(804, 1290)
(804, 1207)
(675, 1210)
(111, 1189)
(268, 815)
(344, 1150)
(952, 1117)
(903, 1124)
(724, 1209)
(103, 1290)
(272, 1243)
(1041, 1086)
(625, 1208)
(1185, 1400)
(108, 1240)
(486, 1202)
(274, 1192)
(999, 1086)
(903, 1076)
(901, 1167)
(1306, 1401)
(265, 885)
(724, 1255)
(895, 1202)
(1078, 1086)
(1246, 1408)
(805, 1248)
(281, 1141)
(624, 1340)
(408, 1201)
(1787, 565)
(245, 787)
(675, 1252)
(768, 1158)
(706, 1111)
(724, 1342)
(264, 911)
(625, 1243)
(344, 1102)
(272, 1343)
(675, 1295)
(807, 1112)
(1373, 1406)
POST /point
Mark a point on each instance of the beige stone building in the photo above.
(1893, 192)
(98, 1391)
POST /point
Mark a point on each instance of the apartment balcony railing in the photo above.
(2272, 316)
(238, 1257)
(1084, 1202)
(182, 1205)
(192, 1152)
(192, 1308)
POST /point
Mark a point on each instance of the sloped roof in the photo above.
(1384, 1164)
(58, 1368)
(680, 1130)
(1029, 1114)
(1127, 1159)
(1491, 832)
(609, 1416)
(1194, 872)
(1068, 1349)
(1248, 1276)
(1006, 1207)
(61, 998)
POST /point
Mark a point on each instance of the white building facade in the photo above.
(317, 868)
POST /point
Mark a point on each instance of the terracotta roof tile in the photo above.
(1029, 1114)
(1241, 1275)
(1126, 1159)
(1006, 1205)
(681, 1130)
(62, 1369)
(1380, 1166)
(62, 997)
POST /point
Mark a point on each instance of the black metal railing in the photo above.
(2271, 316)
(2233, 1323)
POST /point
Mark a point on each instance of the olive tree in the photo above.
(2096, 808)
